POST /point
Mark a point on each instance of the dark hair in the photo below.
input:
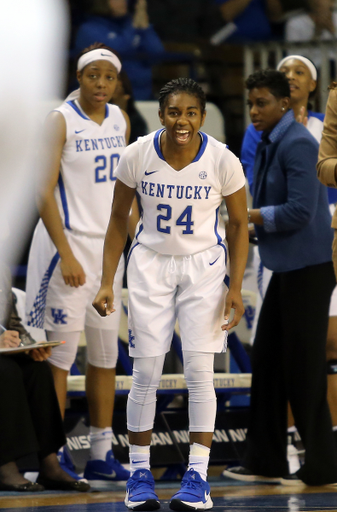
(127, 88)
(275, 81)
(182, 85)
(123, 77)
(97, 46)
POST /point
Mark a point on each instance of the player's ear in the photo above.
(161, 117)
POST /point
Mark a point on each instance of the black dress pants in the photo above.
(30, 418)
(288, 363)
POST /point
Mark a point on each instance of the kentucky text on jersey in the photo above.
(98, 144)
(176, 191)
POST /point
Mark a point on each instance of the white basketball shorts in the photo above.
(163, 288)
(55, 306)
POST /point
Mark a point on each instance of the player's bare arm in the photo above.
(133, 219)
(114, 244)
(237, 238)
(55, 136)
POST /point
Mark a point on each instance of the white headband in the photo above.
(99, 54)
(305, 61)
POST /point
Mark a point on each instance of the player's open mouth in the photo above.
(182, 135)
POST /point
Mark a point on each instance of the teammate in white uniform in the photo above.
(178, 268)
(85, 138)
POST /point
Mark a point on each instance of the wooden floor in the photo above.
(227, 496)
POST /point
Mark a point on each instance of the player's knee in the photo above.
(102, 347)
(198, 371)
(63, 359)
(331, 367)
(106, 360)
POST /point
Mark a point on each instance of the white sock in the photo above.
(198, 459)
(101, 442)
(139, 457)
(334, 428)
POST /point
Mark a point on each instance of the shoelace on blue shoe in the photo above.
(134, 484)
(192, 484)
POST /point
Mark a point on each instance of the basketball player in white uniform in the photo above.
(178, 268)
(86, 137)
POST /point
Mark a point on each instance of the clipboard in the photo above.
(38, 344)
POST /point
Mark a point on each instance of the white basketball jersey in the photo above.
(180, 208)
(315, 127)
(87, 173)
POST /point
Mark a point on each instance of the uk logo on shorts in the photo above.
(131, 339)
(58, 316)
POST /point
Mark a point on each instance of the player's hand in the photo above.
(10, 339)
(40, 354)
(104, 301)
(302, 118)
(72, 272)
(233, 301)
(141, 17)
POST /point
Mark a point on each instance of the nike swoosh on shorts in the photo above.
(212, 263)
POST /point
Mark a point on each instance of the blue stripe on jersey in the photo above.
(106, 111)
(225, 249)
(227, 280)
(132, 248)
(216, 225)
(77, 110)
(217, 234)
(36, 316)
(64, 202)
(201, 151)
(157, 145)
(141, 227)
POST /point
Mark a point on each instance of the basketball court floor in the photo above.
(227, 495)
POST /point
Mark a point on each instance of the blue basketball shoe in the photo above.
(194, 494)
(66, 463)
(108, 470)
(140, 493)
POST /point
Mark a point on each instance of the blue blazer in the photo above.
(285, 177)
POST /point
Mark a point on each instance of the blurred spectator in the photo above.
(309, 26)
(250, 20)
(123, 98)
(322, 12)
(197, 19)
(130, 35)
